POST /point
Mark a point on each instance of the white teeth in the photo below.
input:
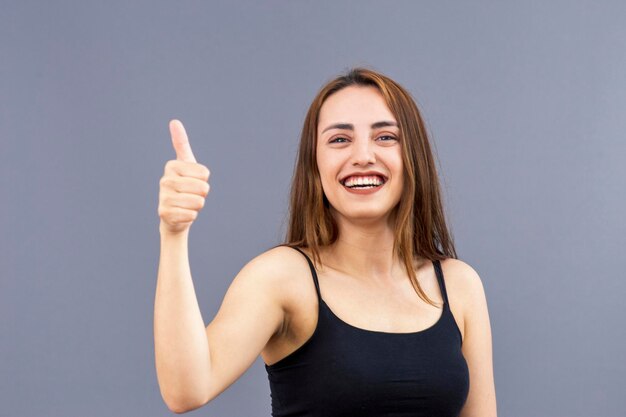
(372, 180)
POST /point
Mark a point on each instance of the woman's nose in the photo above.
(363, 152)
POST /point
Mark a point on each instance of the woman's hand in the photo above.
(183, 187)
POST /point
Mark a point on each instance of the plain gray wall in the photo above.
(525, 102)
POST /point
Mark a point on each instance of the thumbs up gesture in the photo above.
(183, 187)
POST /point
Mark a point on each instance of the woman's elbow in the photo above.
(183, 404)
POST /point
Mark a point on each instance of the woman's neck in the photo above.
(364, 250)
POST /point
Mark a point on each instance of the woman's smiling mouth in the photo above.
(363, 184)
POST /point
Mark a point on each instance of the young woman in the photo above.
(352, 314)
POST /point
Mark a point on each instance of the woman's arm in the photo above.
(180, 343)
(477, 349)
(195, 364)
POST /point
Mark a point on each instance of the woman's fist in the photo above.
(184, 185)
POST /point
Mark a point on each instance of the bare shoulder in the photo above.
(464, 285)
(276, 260)
(279, 267)
(279, 262)
(461, 273)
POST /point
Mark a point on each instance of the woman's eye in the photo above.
(384, 138)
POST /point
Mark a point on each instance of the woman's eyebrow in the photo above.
(349, 126)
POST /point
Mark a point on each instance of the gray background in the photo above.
(526, 105)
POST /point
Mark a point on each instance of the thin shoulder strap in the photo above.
(315, 280)
(442, 284)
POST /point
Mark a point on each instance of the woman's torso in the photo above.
(381, 314)
(351, 347)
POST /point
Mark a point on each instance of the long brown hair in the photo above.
(420, 226)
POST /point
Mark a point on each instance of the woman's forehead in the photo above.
(355, 105)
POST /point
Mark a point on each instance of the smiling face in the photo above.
(358, 154)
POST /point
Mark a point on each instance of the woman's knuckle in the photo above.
(204, 172)
(177, 217)
(169, 165)
(169, 201)
(166, 181)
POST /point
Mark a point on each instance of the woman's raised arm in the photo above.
(194, 364)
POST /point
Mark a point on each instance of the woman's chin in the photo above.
(366, 216)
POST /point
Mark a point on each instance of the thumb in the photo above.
(181, 142)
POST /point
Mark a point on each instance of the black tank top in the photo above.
(342, 370)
